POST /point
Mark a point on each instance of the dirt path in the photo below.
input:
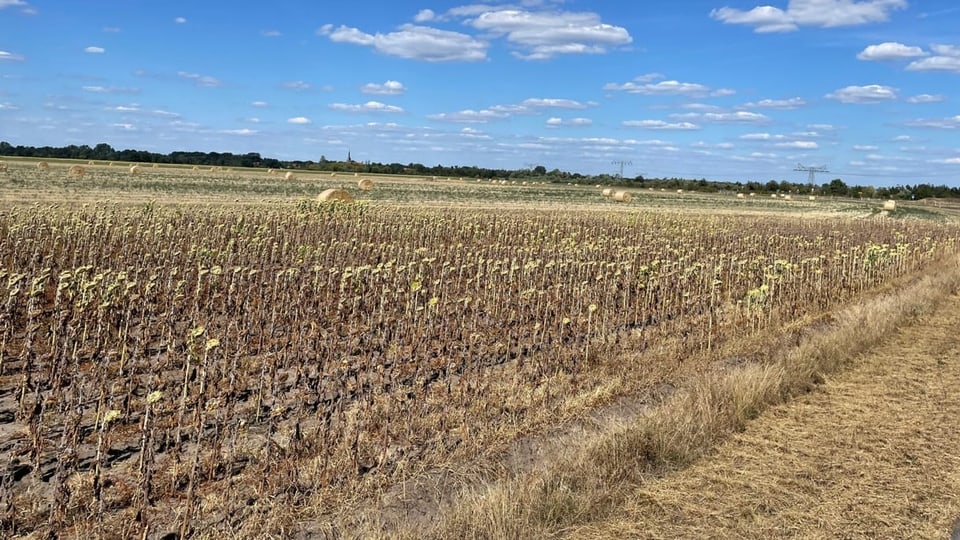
(873, 453)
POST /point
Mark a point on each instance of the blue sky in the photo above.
(722, 89)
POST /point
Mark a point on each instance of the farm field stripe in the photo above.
(873, 453)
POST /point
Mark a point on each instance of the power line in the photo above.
(621, 163)
(812, 177)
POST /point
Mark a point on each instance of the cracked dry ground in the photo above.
(874, 452)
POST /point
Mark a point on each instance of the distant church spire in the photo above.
(349, 159)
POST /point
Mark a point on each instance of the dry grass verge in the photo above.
(591, 478)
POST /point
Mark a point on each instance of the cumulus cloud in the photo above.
(662, 88)
(6, 56)
(298, 120)
(552, 103)
(368, 107)
(204, 81)
(425, 15)
(94, 50)
(389, 88)
(540, 35)
(818, 13)
(945, 58)
(180, 20)
(760, 137)
(871, 93)
(890, 50)
(798, 145)
(926, 98)
(738, 117)
(534, 33)
(413, 42)
(573, 122)
(470, 116)
(660, 124)
(781, 104)
(298, 86)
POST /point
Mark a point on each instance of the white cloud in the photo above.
(890, 50)
(260, 104)
(541, 35)
(865, 147)
(663, 88)
(952, 122)
(10, 57)
(125, 127)
(660, 124)
(760, 137)
(573, 122)
(872, 93)
(389, 88)
(94, 50)
(819, 13)
(425, 15)
(552, 103)
(781, 104)
(298, 86)
(738, 117)
(470, 116)
(134, 108)
(946, 58)
(110, 89)
(926, 98)
(798, 145)
(948, 161)
(414, 42)
(368, 107)
(299, 120)
(271, 33)
(8, 107)
(180, 20)
(902, 138)
(204, 81)
(243, 132)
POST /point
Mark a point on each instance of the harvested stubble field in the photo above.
(214, 368)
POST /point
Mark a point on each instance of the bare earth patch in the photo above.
(872, 453)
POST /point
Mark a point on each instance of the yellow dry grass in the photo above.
(873, 453)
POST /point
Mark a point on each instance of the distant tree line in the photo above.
(836, 187)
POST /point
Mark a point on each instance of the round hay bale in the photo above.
(679, 191)
(134, 169)
(335, 194)
(741, 196)
(356, 174)
(43, 166)
(890, 205)
(365, 184)
(813, 198)
(76, 171)
(269, 171)
(608, 192)
(787, 197)
(195, 168)
(3, 167)
(621, 196)
(91, 162)
(289, 176)
(333, 175)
